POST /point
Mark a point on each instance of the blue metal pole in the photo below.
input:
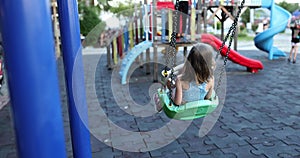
(71, 48)
(32, 78)
(126, 36)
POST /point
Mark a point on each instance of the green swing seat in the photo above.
(190, 110)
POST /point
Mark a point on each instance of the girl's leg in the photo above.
(295, 52)
(291, 52)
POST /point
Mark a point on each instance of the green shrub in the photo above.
(242, 35)
(89, 18)
(218, 25)
(90, 24)
(254, 27)
(242, 27)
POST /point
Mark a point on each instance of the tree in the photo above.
(125, 9)
(246, 16)
(89, 18)
(90, 24)
(104, 4)
(290, 7)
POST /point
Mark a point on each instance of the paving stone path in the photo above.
(260, 117)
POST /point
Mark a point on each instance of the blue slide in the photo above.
(130, 58)
(278, 22)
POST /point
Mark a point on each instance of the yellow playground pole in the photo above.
(131, 35)
(222, 2)
(170, 24)
(115, 51)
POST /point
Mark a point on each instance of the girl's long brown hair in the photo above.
(199, 64)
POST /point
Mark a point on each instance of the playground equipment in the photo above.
(34, 92)
(131, 56)
(278, 22)
(33, 79)
(188, 111)
(251, 64)
(228, 10)
(162, 12)
(199, 108)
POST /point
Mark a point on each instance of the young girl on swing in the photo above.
(195, 80)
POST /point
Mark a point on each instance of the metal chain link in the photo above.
(231, 32)
(172, 47)
(172, 51)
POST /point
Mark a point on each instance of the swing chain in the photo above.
(171, 53)
(172, 47)
(231, 32)
(233, 29)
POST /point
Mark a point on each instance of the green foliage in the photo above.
(254, 27)
(291, 7)
(104, 5)
(89, 18)
(243, 36)
(121, 6)
(124, 9)
(90, 24)
(246, 16)
(219, 25)
(260, 14)
(242, 27)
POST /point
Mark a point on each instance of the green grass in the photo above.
(242, 36)
(245, 38)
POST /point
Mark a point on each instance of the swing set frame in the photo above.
(199, 108)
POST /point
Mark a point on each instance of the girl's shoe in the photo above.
(289, 59)
(294, 61)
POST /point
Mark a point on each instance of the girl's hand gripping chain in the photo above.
(168, 78)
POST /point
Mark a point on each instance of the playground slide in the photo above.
(131, 56)
(278, 22)
(251, 64)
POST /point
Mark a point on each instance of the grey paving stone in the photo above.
(217, 153)
(172, 148)
(259, 116)
(230, 138)
(240, 125)
(256, 136)
(12, 155)
(104, 153)
(289, 120)
(175, 155)
(199, 146)
(133, 154)
(276, 149)
(7, 151)
(240, 151)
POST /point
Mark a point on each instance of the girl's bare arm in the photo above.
(178, 93)
(211, 88)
